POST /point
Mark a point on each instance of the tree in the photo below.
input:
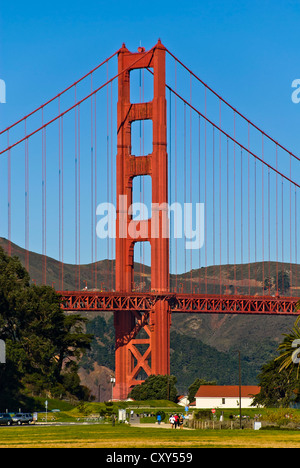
(279, 379)
(43, 344)
(156, 387)
(288, 357)
(193, 389)
(268, 283)
(283, 282)
(280, 282)
(277, 388)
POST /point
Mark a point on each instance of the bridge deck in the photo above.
(94, 301)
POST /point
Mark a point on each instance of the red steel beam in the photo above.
(91, 301)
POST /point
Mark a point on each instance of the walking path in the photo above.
(159, 426)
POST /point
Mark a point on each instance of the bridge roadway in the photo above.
(96, 301)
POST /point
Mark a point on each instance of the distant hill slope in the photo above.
(257, 337)
(253, 279)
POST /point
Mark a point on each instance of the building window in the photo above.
(223, 401)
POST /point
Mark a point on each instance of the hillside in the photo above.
(224, 279)
(202, 346)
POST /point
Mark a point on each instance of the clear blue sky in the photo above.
(248, 51)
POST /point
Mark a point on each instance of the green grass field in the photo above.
(123, 436)
(65, 431)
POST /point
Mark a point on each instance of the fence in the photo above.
(213, 424)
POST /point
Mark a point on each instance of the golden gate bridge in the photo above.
(141, 164)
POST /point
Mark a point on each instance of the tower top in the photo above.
(141, 49)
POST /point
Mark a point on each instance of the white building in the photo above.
(225, 396)
(183, 401)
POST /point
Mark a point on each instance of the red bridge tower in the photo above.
(130, 360)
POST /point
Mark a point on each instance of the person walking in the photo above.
(181, 421)
(176, 417)
(172, 421)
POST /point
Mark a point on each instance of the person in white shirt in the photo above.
(172, 420)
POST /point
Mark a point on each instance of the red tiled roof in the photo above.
(222, 391)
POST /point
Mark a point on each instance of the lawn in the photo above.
(123, 436)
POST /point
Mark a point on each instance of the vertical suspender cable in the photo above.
(234, 206)
(45, 201)
(170, 181)
(220, 193)
(95, 174)
(242, 227)
(44, 249)
(263, 218)
(108, 170)
(205, 188)
(59, 197)
(255, 221)
(227, 207)
(291, 271)
(176, 250)
(79, 201)
(199, 182)
(62, 203)
(282, 239)
(269, 228)
(26, 201)
(184, 183)
(213, 210)
(276, 219)
(296, 245)
(111, 178)
(191, 179)
(92, 186)
(249, 230)
(76, 190)
(9, 197)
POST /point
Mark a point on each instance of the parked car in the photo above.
(22, 418)
(5, 419)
